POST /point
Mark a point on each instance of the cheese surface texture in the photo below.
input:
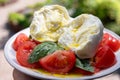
(47, 23)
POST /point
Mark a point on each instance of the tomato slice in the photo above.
(61, 61)
(23, 52)
(111, 41)
(105, 57)
(19, 40)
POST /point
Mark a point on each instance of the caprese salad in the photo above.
(61, 44)
(53, 58)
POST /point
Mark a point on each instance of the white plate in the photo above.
(11, 58)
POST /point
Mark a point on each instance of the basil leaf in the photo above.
(42, 50)
(84, 64)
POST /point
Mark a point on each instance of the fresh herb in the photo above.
(84, 64)
(42, 50)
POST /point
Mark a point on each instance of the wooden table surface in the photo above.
(7, 72)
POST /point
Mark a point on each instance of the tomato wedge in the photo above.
(61, 61)
(81, 71)
(23, 52)
(111, 41)
(105, 57)
(19, 40)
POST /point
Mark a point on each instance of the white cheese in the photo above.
(47, 23)
(82, 35)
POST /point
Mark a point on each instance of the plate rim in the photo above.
(38, 75)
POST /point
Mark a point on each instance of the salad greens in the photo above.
(42, 50)
(84, 64)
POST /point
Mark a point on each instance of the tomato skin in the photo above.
(19, 40)
(105, 57)
(37, 42)
(111, 41)
(61, 61)
(23, 52)
(81, 71)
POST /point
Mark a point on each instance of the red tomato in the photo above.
(23, 52)
(37, 42)
(97, 70)
(19, 40)
(111, 41)
(61, 61)
(81, 71)
(104, 57)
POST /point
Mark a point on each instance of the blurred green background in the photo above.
(107, 10)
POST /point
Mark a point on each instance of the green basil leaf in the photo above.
(42, 50)
(84, 64)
